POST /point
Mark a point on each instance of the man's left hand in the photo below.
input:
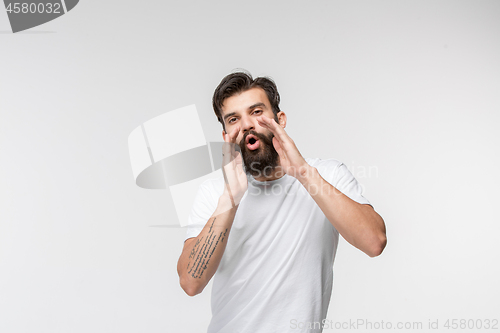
(291, 161)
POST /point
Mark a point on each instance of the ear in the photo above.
(282, 119)
(223, 133)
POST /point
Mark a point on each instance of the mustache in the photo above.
(266, 139)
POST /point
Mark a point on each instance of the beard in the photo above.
(262, 161)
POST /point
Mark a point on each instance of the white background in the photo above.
(405, 93)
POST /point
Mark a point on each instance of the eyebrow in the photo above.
(251, 107)
(257, 105)
(229, 115)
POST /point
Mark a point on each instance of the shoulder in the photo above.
(324, 164)
(330, 169)
(213, 186)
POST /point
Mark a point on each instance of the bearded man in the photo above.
(269, 229)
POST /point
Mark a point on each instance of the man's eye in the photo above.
(231, 120)
(257, 111)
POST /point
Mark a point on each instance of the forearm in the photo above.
(359, 224)
(200, 259)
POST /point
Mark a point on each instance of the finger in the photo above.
(234, 146)
(226, 153)
(234, 134)
(265, 122)
(230, 151)
(238, 160)
(229, 136)
(268, 122)
(279, 150)
(228, 147)
(273, 126)
(277, 146)
(277, 130)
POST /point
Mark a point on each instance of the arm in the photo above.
(201, 255)
(359, 224)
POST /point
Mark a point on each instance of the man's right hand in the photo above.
(201, 256)
(235, 178)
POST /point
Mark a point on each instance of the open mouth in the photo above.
(252, 142)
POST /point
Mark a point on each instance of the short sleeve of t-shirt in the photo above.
(337, 174)
(204, 206)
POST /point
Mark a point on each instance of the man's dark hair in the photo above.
(236, 83)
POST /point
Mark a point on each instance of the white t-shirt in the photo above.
(276, 272)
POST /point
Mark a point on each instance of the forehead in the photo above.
(245, 100)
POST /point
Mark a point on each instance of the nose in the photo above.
(247, 124)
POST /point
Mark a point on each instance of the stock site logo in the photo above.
(28, 14)
(170, 152)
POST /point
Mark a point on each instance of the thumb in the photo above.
(277, 146)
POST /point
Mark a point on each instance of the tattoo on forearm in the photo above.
(202, 252)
